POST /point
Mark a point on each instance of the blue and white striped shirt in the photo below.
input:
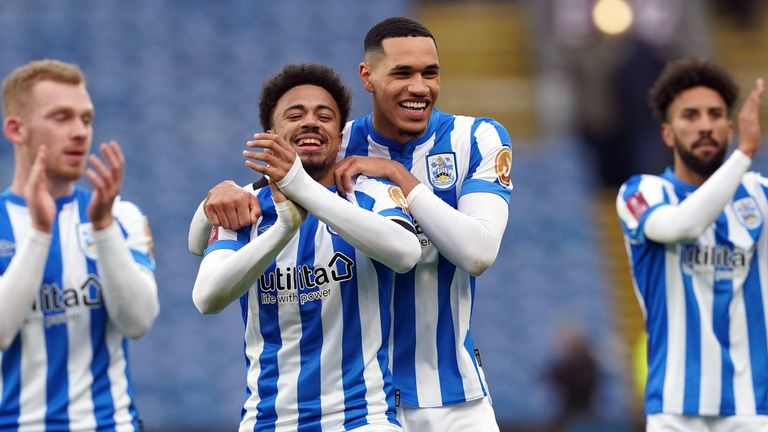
(67, 370)
(317, 324)
(435, 362)
(705, 301)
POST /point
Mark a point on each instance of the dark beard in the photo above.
(702, 167)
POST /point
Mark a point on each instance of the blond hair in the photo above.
(18, 85)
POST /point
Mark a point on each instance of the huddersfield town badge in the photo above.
(442, 170)
(746, 209)
(85, 239)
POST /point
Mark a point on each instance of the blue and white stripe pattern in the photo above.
(705, 302)
(67, 370)
(317, 325)
(435, 362)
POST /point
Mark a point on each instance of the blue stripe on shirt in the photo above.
(56, 339)
(692, 382)
(11, 357)
(721, 322)
(101, 394)
(352, 367)
(311, 342)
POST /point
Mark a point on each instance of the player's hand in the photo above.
(749, 120)
(289, 212)
(42, 207)
(229, 206)
(393, 171)
(107, 179)
(278, 156)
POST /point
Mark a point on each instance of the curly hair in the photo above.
(294, 75)
(681, 75)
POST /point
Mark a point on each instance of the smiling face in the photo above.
(698, 130)
(59, 116)
(405, 83)
(307, 117)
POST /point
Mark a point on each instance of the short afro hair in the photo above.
(294, 75)
(394, 27)
(684, 74)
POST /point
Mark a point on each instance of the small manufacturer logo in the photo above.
(504, 166)
(749, 215)
(214, 235)
(442, 170)
(7, 248)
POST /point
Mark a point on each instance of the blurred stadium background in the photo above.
(176, 82)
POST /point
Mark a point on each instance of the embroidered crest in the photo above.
(504, 166)
(749, 215)
(442, 170)
(85, 240)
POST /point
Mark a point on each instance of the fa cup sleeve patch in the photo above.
(637, 205)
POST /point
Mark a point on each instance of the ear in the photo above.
(365, 77)
(12, 129)
(667, 134)
(730, 131)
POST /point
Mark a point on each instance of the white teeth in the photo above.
(414, 105)
(309, 141)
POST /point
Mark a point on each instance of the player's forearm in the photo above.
(361, 228)
(129, 289)
(689, 219)
(20, 285)
(199, 229)
(470, 236)
(225, 275)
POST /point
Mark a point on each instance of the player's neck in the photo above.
(390, 131)
(57, 188)
(687, 175)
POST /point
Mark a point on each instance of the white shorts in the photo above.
(681, 423)
(472, 416)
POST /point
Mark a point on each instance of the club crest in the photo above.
(85, 240)
(442, 170)
(749, 215)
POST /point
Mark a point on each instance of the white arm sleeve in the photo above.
(362, 228)
(20, 285)
(225, 275)
(199, 229)
(129, 289)
(470, 236)
(687, 220)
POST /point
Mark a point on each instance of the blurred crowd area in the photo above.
(176, 83)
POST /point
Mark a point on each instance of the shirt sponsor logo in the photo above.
(503, 164)
(746, 210)
(304, 283)
(442, 170)
(720, 259)
(56, 305)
